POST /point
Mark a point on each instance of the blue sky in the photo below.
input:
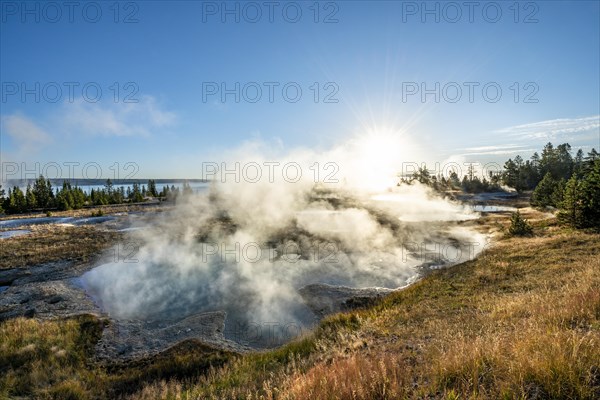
(370, 57)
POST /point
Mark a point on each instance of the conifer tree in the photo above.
(543, 194)
(30, 198)
(519, 225)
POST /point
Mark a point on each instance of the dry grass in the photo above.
(48, 359)
(538, 337)
(55, 360)
(371, 376)
(520, 321)
(49, 243)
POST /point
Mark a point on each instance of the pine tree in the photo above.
(109, 192)
(590, 197)
(535, 164)
(16, 201)
(511, 175)
(558, 195)
(152, 188)
(519, 225)
(548, 159)
(581, 202)
(543, 194)
(98, 197)
(79, 198)
(108, 186)
(30, 198)
(571, 210)
(564, 162)
(62, 202)
(93, 196)
(578, 163)
(454, 180)
(43, 193)
(136, 194)
(588, 161)
(1, 200)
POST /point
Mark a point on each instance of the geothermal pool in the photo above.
(492, 209)
(123, 222)
(13, 233)
(19, 222)
(276, 270)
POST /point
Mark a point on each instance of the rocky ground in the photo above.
(325, 299)
(53, 290)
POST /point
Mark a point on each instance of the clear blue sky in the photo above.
(372, 56)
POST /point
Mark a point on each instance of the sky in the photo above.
(156, 88)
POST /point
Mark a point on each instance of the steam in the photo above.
(247, 247)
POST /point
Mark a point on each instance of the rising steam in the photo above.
(247, 247)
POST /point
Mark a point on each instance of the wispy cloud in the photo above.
(495, 150)
(553, 128)
(84, 119)
(113, 119)
(27, 136)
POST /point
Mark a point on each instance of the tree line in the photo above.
(42, 196)
(556, 178)
(569, 184)
(470, 183)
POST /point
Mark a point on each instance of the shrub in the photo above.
(519, 225)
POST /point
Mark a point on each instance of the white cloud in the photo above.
(86, 119)
(492, 148)
(553, 128)
(500, 151)
(26, 134)
(29, 136)
(529, 135)
(114, 119)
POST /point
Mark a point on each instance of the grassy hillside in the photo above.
(520, 321)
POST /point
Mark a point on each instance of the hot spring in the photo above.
(252, 252)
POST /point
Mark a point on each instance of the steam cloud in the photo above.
(247, 247)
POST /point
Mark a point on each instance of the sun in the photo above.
(377, 158)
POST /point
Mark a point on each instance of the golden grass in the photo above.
(520, 321)
(364, 377)
(55, 360)
(540, 340)
(47, 358)
(48, 243)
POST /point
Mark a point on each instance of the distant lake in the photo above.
(198, 186)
